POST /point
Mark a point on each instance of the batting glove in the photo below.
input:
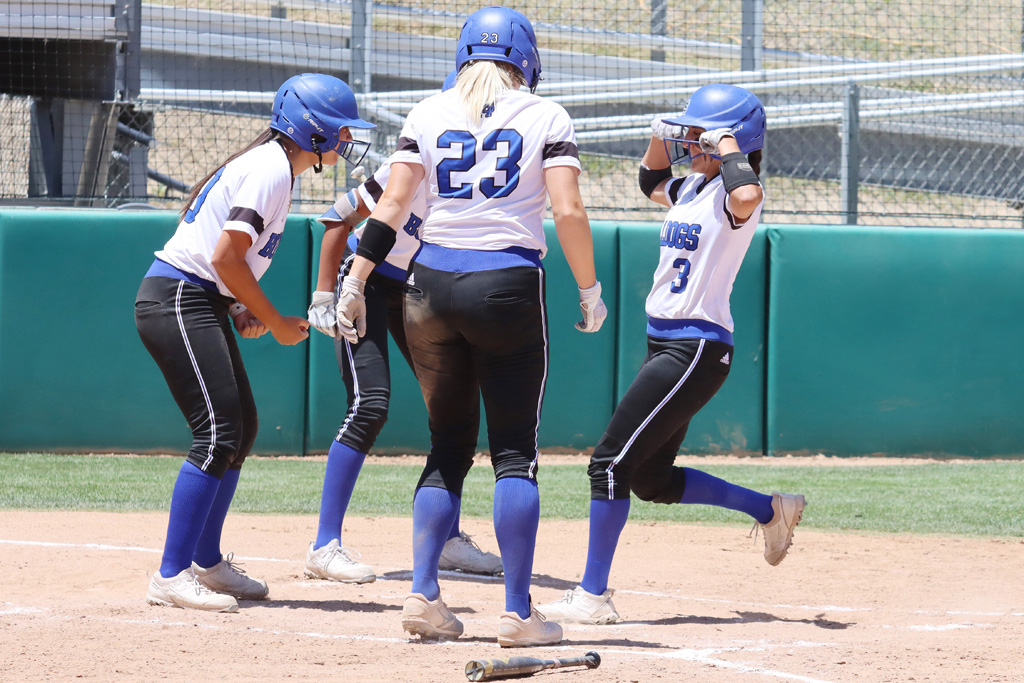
(709, 139)
(351, 309)
(321, 313)
(593, 309)
(662, 130)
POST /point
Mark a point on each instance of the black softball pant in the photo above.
(636, 452)
(365, 365)
(471, 334)
(186, 329)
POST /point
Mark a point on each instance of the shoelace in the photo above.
(754, 531)
(201, 589)
(348, 554)
(236, 567)
(468, 539)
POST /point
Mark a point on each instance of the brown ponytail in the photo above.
(263, 138)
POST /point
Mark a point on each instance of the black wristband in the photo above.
(737, 171)
(376, 241)
(650, 178)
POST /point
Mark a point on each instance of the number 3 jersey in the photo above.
(485, 179)
(251, 194)
(701, 252)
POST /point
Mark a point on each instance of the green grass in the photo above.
(967, 499)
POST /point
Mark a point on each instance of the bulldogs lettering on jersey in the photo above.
(408, 240)
(469, 164)
(251, 194)
(699, 248)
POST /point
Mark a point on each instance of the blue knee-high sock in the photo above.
(433, 511)
(607, 518)
(194, 491)
(343, 465)
(516, 515)
(455, 526)
(207, 552)
(705, 489)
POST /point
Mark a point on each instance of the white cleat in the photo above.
(514, 631)
(778, 533)
(185, 590)
(429, 619)
(228, 577)
(335, 562)
(578, 606)
(461, 553)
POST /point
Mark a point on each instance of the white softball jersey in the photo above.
(701, 253)
(408, 240)
(251, 194)
(485, 179)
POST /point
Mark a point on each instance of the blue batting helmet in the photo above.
(726, 106)
(313, 108)
(500, 34)
(449, 81)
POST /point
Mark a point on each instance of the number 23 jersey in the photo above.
(485, 179)
(701, 253)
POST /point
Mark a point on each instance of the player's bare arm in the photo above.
(393, 207)
(571, 222)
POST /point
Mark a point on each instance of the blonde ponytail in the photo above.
(480, 83)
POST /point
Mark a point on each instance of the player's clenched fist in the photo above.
(248, 325)
(291, 330)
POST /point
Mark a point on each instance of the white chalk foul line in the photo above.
(704, 656)
(399, 574)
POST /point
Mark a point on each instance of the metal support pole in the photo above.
(849, 158)
(659, 26)
(92, 180)
(362, 42)
(752, 38)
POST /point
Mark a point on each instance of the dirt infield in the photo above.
(698, 604)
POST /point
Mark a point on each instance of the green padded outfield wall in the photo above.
(733, 421)
(579, 396)
(74, 375)
(896, 340)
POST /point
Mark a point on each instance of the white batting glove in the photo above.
(593, 309)
(351, 309)
(322, 315)
(662, 130)
(709, 139)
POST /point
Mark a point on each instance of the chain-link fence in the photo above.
(888, 112)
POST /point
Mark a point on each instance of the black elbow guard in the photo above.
(376, 241)
(650, 178)
(737, 171)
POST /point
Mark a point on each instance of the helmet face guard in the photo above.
(500, 34)
(312, 109)
(719, 106)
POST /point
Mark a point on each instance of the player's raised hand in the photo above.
(710, 139)
(662, 130)
(593, 309)
(351, 309)
(322, 314)
(291, 330)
